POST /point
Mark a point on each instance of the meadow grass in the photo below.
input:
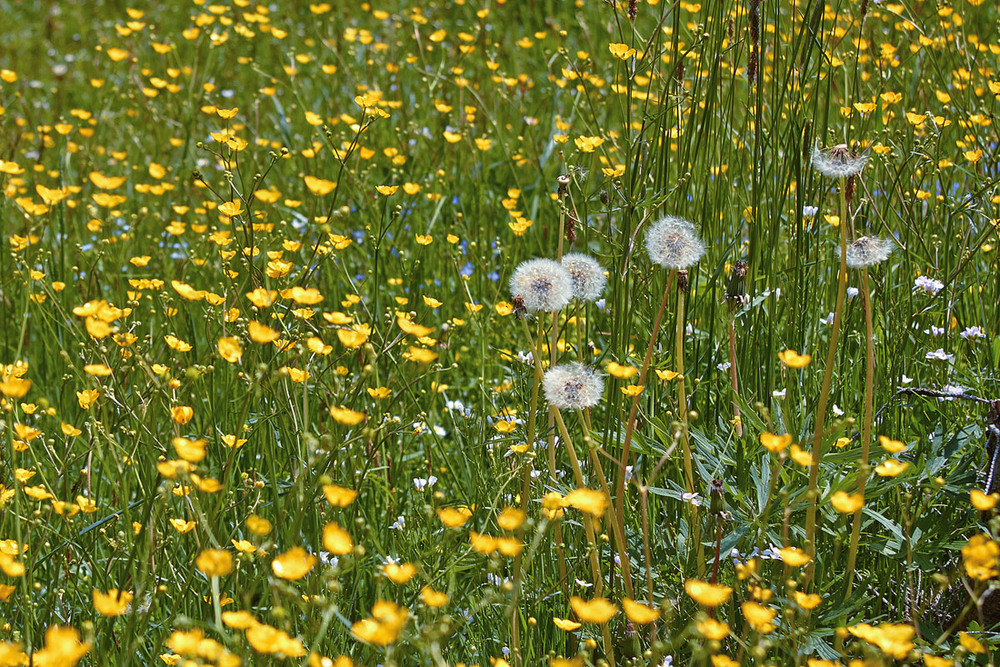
(270, 394)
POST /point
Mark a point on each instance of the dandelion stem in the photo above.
(551, 441)
(536, 380)
(824, 396)
(617, 528)
(866, 431)
(634, 411)
(216, 604)
(646, 553)
(539, 374)
(595, 563)
(682, 413)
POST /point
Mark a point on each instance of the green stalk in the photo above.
(612, 518)
(824, 397)
(633, 413)
(689, 483)
(595, 563)
(866, 431)
(734, 378)
(536, 380)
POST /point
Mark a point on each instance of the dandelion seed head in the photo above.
(573, 386)
(868, 251)
(673, 243)
(838, 162)
(587, 276)
(542, 285)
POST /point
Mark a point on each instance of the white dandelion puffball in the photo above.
(673, 243)
(573, 386)
(868, 251)
(838, 162)
(542, 285)
(587, 276)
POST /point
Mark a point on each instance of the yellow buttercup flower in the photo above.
(399, 573)
(847, 503)
(793, 359)
(891, 468)
(794, 557)
(597, 610)
(113, 603)
(214, 562)
(775, 443)
(293, 564)
(707, 594)
(983, 502)
(590, 501)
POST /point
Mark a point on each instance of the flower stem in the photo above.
(536, 380)
(866, 431)
(646, 553)
(633, 413)
(595, 563)
(682, 414)
(824, 397)
(612, 518)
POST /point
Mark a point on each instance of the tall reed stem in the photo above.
(866, 431)
(824, 396)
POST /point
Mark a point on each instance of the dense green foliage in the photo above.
(256, 261)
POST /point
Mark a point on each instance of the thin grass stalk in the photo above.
(734, 378)
(595, 562)
(824, 396)
(644, 500)
(866, 432)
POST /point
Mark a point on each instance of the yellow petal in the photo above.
(566, 624)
